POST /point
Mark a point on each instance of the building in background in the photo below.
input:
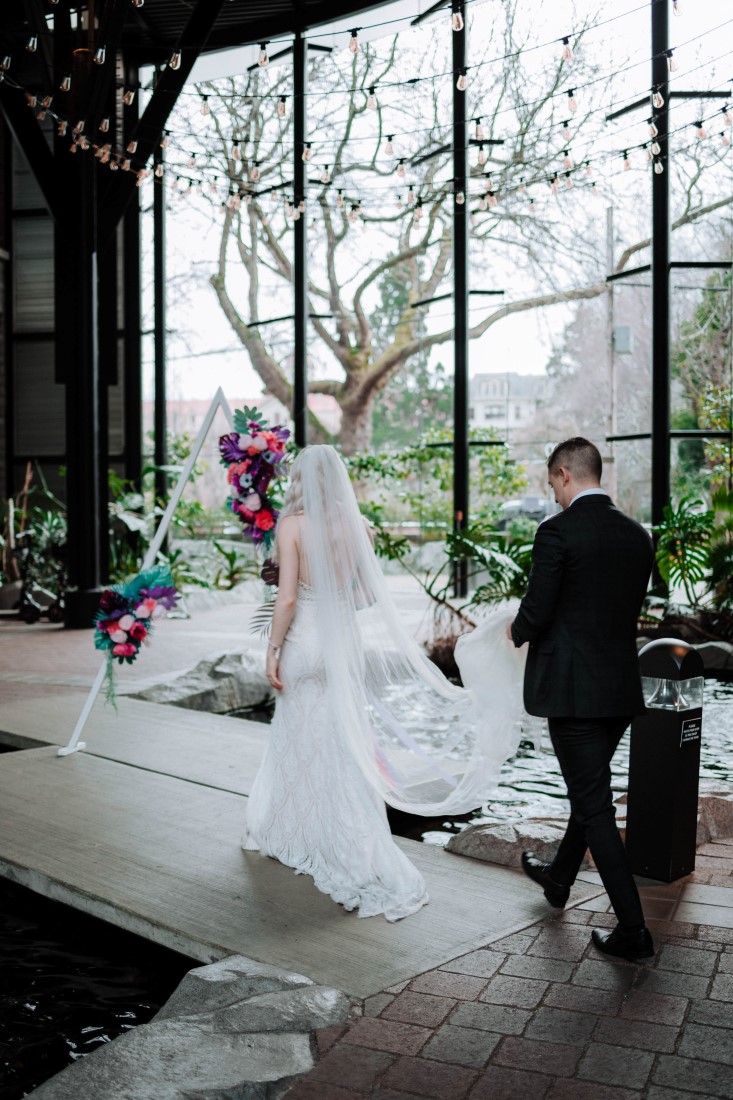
(505, 400)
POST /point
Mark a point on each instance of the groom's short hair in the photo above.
(578, 455)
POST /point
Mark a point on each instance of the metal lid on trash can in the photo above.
(670, 659)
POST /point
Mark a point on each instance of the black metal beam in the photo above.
(460, 300)
(132, 306)
(167, 89)
(159, 304)
(628, 271)
(300, 259)
(660, 261)
(675, 433)
(29, 136)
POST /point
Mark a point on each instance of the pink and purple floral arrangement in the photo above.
(254, 455)
(127, 613)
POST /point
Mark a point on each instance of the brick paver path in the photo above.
(541, 1015)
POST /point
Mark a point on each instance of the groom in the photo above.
(590, 570)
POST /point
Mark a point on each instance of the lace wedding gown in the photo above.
(311, 806)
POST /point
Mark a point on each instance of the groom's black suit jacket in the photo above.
(590, 571)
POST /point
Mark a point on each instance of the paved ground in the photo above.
(542, 1016)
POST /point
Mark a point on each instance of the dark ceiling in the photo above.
(153, 30)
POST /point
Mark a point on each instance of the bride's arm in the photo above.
(288, 559)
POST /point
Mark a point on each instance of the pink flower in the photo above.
(138, 631)
(259, 443)
(264, 520)
(252, 502)
(118, 635)
(126, 622)
(145, 609)
(125, 649)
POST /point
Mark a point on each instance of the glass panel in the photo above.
(662, 694)
(33, 282)
(39, 401)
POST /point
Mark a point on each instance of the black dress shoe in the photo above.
(556, 894)
(632, 946)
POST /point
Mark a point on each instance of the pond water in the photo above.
(68, 984)
(532, 786)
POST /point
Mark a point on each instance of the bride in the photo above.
(362, 716)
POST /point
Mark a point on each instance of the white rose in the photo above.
(126, 622)
(252, 502)
(118, 636)
(159, 610)
(259, 443)
(143, 612)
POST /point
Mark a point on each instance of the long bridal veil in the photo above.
(426, 745)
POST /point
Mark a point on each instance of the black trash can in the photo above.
(664, 764)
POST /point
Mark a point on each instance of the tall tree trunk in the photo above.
(356, 426)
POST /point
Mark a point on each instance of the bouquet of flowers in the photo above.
(126, 616)
(254, 455)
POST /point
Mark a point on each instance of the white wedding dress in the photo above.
(365, 718)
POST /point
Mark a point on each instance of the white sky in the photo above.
(203, 353)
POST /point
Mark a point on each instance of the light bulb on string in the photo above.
(658, 167)
(672, 64)
(126, 164)
(372, 99)
(354, 41)
(262, 58)
(132, 146)
(2, 76)
(340, 199)
(522, 185)
(627, 162)
(137, 3)
(65, 84)
(483, 204)
(566, 131)
(479, 133)
(700, 130)
(554, 185)
(41, 115)
(389, 146)
(104, 126)
(401, 168)
(418, 212)
(724, 139)
(100, 55)
(457, 21)
(79, 128)
(462, 82)
(281, 106)
(325, 175)
(32, 44)
(568, 180)
(492, 199)
(588, 169)
(47, 101)
(653, 131)
(129, 97)
(353, 214)
(205, 108)
(236, 150)
(301, 206)
(567, 160)
(398, 201)
(30, 99)
(648, 152)
(73, 147)
(532, 206)
(567, 49)
(174, 61)
(191, 162)
(306, 153)
(481, 159)
(6, 63)
(62, 127)
(460, 198)
(159, 170)
(254, 172)
(572, 101)
(657, 99)
(656, 148)
(165, 139)
(487, 181)
(411, 196)
(676, 7)
(727, 115)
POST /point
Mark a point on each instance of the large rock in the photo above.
(716, 656)
(715, 820)
(504, 844)
(216, 685)
(235, 1030)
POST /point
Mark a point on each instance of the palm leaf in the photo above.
(261, 620)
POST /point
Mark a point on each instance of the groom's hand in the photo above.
(509, 634)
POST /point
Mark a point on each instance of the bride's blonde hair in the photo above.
(293, 502)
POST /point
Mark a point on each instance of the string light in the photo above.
(30, 99)
(532, 206)
(567, 160)
(254, 172)
(401, 168)
(159, 170)
(398, 202)
(653, 131)
(301, 206)
(418, 212)
(325, 175)
(65, 84)
(588, 169)
(627, 162)
(676, 7)
(132, 146)
(100, 55)
(165, 140)
(5, 63)
(457, 21)
(174, 61)
(372, 99)
(700, 130)
(389, 147)
(281, 106)
(126, 164)
(462, 82)
(572, 101)
(522, 185)
(657, 99)
(656, 148)
(479, 134)
(104, 126)
(725, 140)
(481, 159)
(460, 198)
(658, 167)
(353, 214)
(554, 185)
(672, 64)
(566, 131)
(236, 151)
(129, 97)
(137, 3)
(340, 199)
(483, 204)
(492, 199)
(568, 180)
(567, 49)
(354, 41)
(262, 58)
(32, 44)
(205, 108)
(306, 152)
(411, 195)
(62, 128)
(727, 116)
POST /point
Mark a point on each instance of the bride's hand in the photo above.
(272, 669)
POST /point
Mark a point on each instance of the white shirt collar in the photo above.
(588, 493)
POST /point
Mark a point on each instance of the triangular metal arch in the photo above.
(219, 401)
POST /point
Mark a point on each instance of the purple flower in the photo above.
(165, 594)
(229, 448)
(110, 601)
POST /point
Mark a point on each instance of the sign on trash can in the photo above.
(664, 762)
